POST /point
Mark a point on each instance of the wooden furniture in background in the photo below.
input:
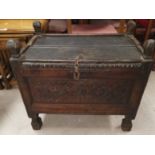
(145, 27)
(1, 86)
(148, 29)
(122, 26)
(5, 68)
(1, 71)
(86, 26)
(143, 30)
(82, 74)
(90, 28)
(21, 30)
(103, 27)
(23, 26)
(63, 25)
(57, 26)
(83, 21)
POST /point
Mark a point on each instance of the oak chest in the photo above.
(104, 74)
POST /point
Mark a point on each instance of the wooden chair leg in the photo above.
(69, 25)
(122, 26)
(148, 30)
(83, 21)
(1, 85)
(4, 71)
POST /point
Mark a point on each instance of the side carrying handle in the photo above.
(37, 27)
(76, 74)
(149, 48)
(14, 47)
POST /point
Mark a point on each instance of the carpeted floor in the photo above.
(14, 120)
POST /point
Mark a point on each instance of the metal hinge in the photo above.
(76, 74)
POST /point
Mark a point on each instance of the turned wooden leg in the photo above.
(7, 85)
(36, 122)
(1, 85)
(126, 123)
(6, 82)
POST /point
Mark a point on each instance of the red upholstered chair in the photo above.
(103, 27)
(57, 26)
(91, 28)
(149, 27)
(145, 26)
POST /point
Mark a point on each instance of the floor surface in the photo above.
(14, 120)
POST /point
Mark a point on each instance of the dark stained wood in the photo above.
(131, 27)
(148, 29)
(126, 123)
(5, 68)
(1, 85)
(37, 26)
(36, 122)
(82, 75)
(21, 30)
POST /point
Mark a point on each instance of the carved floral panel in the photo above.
(48, 90)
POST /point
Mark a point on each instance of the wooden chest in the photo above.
(104, 74)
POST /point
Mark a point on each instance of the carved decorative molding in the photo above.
(64, 65)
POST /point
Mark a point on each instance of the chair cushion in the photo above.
(57, 26)
(93, 29)
(142, 22)
(142, 25)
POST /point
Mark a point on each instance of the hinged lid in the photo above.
(88, 48)
(117, 50)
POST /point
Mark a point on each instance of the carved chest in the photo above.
(82, 75)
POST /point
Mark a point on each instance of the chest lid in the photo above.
(67, 48)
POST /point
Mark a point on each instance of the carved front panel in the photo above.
(84, 91)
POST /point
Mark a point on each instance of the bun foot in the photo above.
(36, 123)
(126, 124)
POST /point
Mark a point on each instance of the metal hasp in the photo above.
(76, 73)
